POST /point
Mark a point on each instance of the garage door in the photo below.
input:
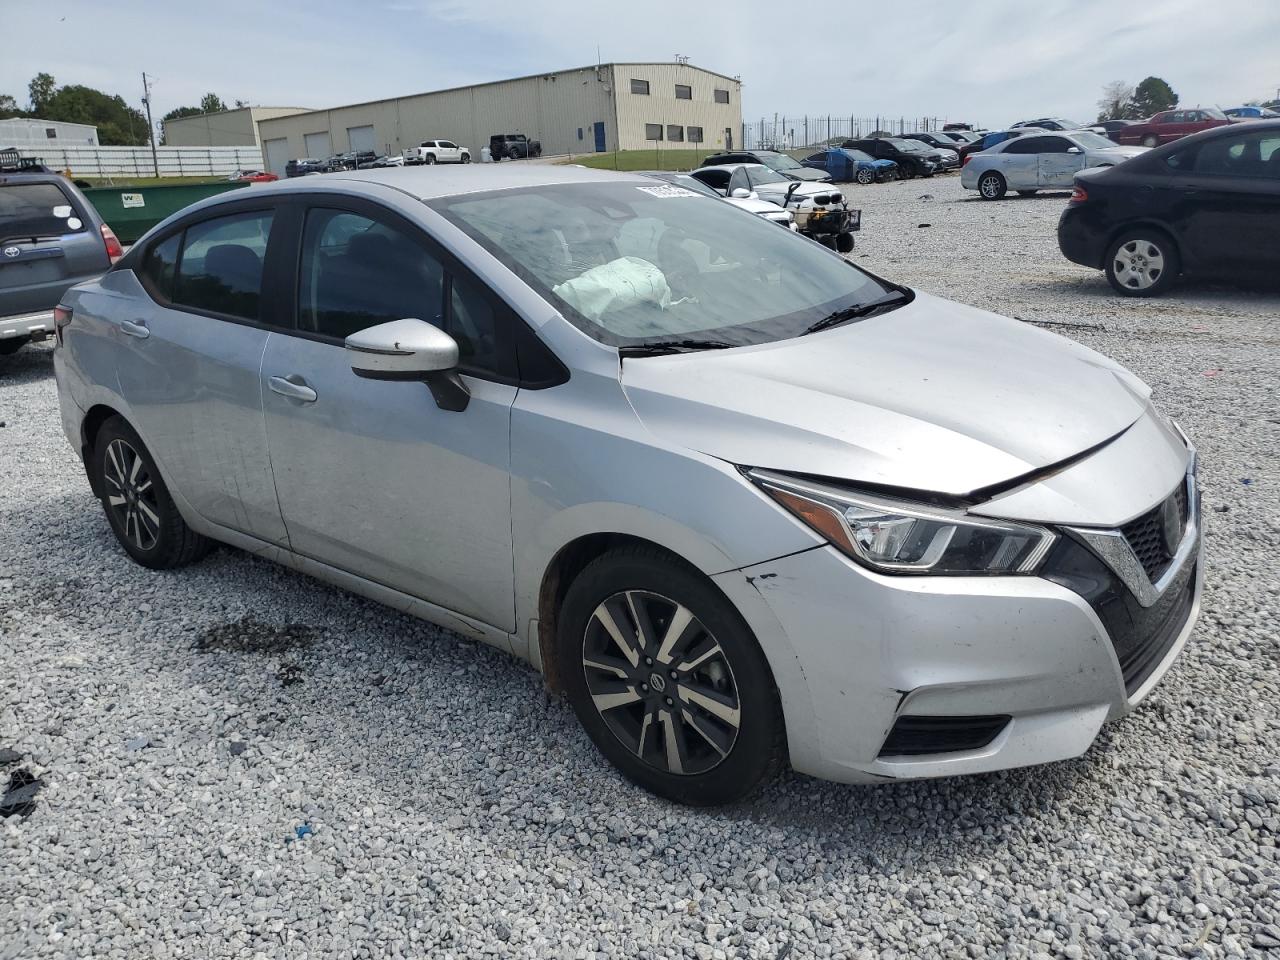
(317, 145)
(361, 138)
(275, 153)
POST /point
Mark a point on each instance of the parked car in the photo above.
(1206, 205)
(1047, 161)
(1251, 113)
(778, 162)
(760, 208)
(513, 146)
(914, 159)
(352, 160)
(936, 140)
(1049, 123)
(819, 208)
(991, 138)
(959, 138)
(742, 516)
(845, 165)
(254, 176)
(305, 165)
(1171, 125)
(51, 238)
(437, 151)
(390, 160)
(1110, 128)
(957, 126)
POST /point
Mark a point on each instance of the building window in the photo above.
(51, 133)
(684, 91)
(675, 133)
(653, 131)
(579, 133)
(695, 134)
(722, 96)
(640, 86)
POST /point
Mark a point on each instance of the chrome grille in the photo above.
(1146, 535)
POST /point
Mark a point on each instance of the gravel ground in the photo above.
(238, 761)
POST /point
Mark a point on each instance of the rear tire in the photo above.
(992, 186)
(430, 159)
(139, 508)
(1142, 263)
(692, 715)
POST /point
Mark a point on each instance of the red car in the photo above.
(253, 176)
(1170, 125)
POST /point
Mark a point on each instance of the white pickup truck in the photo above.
(437, 151)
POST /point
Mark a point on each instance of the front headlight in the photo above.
(897, 536)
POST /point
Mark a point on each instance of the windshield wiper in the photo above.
(672, 346)
(895, 298)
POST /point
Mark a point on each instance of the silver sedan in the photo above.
(742, 502)
(1039, 162)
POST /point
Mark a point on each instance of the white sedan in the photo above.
(1045, 162)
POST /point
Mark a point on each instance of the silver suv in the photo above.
(51, 238)
(743, 502)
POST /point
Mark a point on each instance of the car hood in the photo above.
(933, 396)
(754, 206)
(1115, 154)
(807, 174)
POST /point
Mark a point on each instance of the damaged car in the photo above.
(744, 503)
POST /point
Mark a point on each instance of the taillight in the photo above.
(1078, 194)
(965, 159)
(114, 250)
(61, 317)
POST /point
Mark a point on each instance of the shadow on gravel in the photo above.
(29, 365)
(1258, 295)
(250, 635)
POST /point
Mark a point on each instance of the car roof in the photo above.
(432, 182)
(732, 166)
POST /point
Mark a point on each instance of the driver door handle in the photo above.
(293, 387)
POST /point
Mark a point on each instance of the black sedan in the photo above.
(1206, 205)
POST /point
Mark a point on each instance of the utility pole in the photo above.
(151, 130)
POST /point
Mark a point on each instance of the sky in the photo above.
(990, 62)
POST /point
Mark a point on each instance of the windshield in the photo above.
(759, 173)
(633, 263)
(1069, 124)
(1093, 141)
(859, 155)
(780, 161)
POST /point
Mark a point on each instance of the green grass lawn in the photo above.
(125, 182)
(644, 159)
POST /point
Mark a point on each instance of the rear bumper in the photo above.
(1080, 239)
(35, 326)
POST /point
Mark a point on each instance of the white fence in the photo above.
(137, 162)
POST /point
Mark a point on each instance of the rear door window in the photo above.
(221, 265)
(31, 210)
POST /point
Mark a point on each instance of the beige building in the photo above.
(627, 106)
(227, 128)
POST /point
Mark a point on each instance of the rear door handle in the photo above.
(132, 329)
(293, 387)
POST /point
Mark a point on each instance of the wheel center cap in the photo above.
(657, 682)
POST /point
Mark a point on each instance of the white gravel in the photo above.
(186, 725)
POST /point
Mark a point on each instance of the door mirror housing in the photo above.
(740, 193)
(1075, 150)
(410, 349)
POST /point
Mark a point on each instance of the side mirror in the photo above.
(1076, 150)
(410, 349)
(740, 193)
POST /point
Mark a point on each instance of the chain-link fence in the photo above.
(782, 132)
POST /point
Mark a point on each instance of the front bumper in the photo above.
(855, 652)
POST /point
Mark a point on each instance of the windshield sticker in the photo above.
(667, 190)
(74, 223)
(62, 211)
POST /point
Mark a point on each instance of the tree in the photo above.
(1151, 96)
(211, 103)
(41, 90)
(1116, 102)
(9, 107)
(118, 123)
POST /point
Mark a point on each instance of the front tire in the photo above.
(1142, 263)
(992, 185)
(865, 175)
(668, 680)
(139, 508)
(466, 158)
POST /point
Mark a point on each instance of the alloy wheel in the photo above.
(661, 682)
(989, 186)
(1138, 264)
(865, 175)
(130, 494)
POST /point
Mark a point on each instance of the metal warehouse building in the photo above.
(611, 106)
(226, 128)
(25, 133)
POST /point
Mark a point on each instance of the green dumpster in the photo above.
(132, 211)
